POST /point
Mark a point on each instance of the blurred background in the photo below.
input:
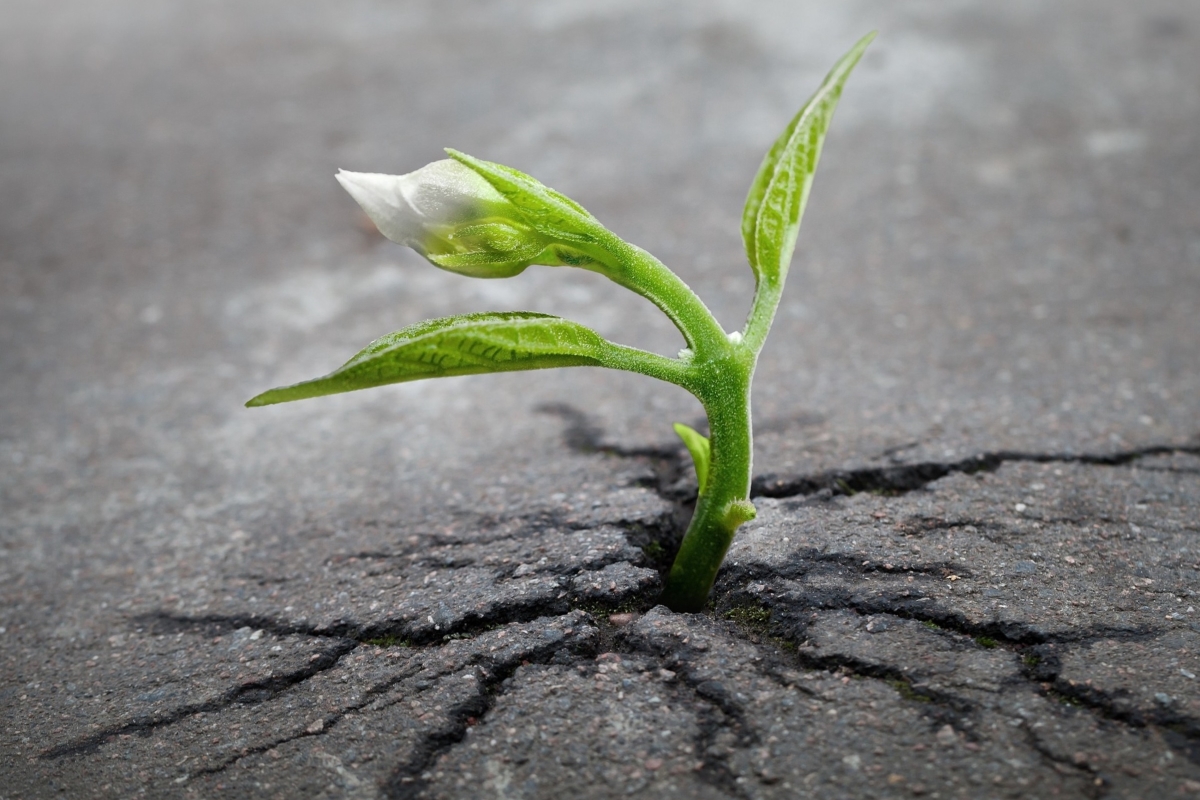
(1002, 249)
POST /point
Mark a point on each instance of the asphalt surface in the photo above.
(975, 567)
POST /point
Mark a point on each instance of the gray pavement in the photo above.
(975, 567)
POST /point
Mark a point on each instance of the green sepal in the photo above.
(775, 205)
(697, 444)
(470, 344)
(545, 210)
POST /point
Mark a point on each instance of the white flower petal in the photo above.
(382, 197)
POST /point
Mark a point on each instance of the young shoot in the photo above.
(486, 220)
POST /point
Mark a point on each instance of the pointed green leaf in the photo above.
(775, 205)
(465, 345)
(697, 445)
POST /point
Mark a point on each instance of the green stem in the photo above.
(762, 313)
(649, 277)
(725, 503)
(630, 359)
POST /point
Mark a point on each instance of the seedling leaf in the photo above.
(697, 445)
(464, 345)
(775, 205)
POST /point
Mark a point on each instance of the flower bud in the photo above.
(452, 216)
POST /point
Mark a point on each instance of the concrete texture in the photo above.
(975, 567)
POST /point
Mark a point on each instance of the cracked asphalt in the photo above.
(976, 566)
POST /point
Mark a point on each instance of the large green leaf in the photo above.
(466, 345)
(775, 205)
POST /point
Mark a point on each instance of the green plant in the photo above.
(486, 220)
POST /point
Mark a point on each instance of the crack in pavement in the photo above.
(522, 527)
(1095, 788)
(1041, 666)
(584, 436)
(904, 478)
(735, 580)
(409, 780)
(260, 691)
(1184, 730)
(252, 693)
(470, 624)
(326, 724)
(724, 714)
(719, 712)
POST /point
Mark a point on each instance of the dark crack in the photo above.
(409, 780)
(905, 604)
(467, 714)
(399, 630)
(896, 480)
(1182, 731)
(1095, 785)
(1038, 652)
(757, 623)
(251, 693)
(718, 712)
(659, 540)
(163, 622)
(327, 723)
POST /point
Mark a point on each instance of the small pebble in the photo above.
(946, 736)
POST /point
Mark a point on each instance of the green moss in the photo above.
(906, 690)
(986, 642)
(933, 626)
(756, 620)
(390, 640)
(753, 618)
(1031, 660)
(1066, 700)
(783, 644)
(653, 551)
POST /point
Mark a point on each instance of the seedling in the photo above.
(487, 220)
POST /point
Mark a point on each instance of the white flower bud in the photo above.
(408, 209)
(451, 215)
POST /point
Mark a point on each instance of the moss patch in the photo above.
(906, 690)
(391, 640)
(753, 618)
